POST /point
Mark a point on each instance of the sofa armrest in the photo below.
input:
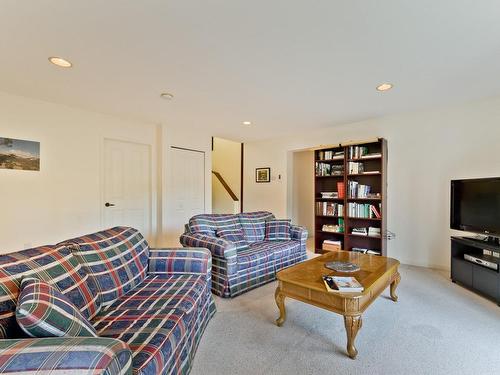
(218, 247)
(65, 355)
(195, 260)
(298, 233)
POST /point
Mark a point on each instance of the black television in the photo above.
(475, 205)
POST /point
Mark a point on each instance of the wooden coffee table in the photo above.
(303, 282)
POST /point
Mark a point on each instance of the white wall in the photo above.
(226, 159)
(301, 190)
(426, 150)
(63, 199)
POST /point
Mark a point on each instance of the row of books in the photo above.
(370, 231)
(359, 168)
(363, 210)
(355, 167)
(331, 245)
(361, 152)
(329, 195)
(329, 209)
(357, 190)
(330, 155)
(325, 169)
(334, 228)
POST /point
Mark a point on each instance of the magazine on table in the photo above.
(342, 284)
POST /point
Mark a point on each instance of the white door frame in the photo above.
(152, 192)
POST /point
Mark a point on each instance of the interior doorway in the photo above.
(126, 186)
(300, 191)
(227, 176)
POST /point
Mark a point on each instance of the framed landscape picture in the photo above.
(262, 174)
(19, 154)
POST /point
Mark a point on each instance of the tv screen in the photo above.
(475, 205)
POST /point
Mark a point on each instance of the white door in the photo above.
(186, 190)
(127, 185)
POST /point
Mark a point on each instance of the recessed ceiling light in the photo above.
(247, 123)
(59, 61)
(384, 87)
(166, 96)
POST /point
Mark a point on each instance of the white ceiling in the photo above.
(285, 65)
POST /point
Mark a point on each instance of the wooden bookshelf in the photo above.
(376, 162)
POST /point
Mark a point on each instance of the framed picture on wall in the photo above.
(262, 174)
(19, 154)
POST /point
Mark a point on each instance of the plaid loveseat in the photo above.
(234, 270)
(148, 306)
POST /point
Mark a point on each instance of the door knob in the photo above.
(109, 204)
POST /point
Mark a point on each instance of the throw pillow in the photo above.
(233, 235)
(43, 311)
(277, 230)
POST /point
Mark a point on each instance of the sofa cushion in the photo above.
(43, 311)
(117, 258)
(285, 252)
(156, 292)
(55, 265)
(156, 337)
(277, 230)
(254, 256)
(209, 223)
(233, 235)
(254, 224)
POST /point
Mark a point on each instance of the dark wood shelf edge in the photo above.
(359, 235)
(364, 174)
(365, 218)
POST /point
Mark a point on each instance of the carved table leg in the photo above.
(394, 285)
(280, 301)
(352, 326)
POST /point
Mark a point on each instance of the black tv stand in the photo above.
(495, 241)
(474, 276)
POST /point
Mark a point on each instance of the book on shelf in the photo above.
(356, 152)
(330, 245)
(365, 251)
(359, 231)
(361, 152)
(373, 232)
(342, 284)
(341, 190)
(325, 169)
(330, 155)
(370, 231)
(374, 155)
(355, 168)
(329, 195)
(329, 209)
(359, 168)
(357, 190)
(334, 228)
(363, 210)
(376, 212)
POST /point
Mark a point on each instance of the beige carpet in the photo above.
(436, 328)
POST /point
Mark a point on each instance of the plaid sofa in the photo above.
(148, 306)
(234, 270)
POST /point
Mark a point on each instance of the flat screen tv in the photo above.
(475, 205)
